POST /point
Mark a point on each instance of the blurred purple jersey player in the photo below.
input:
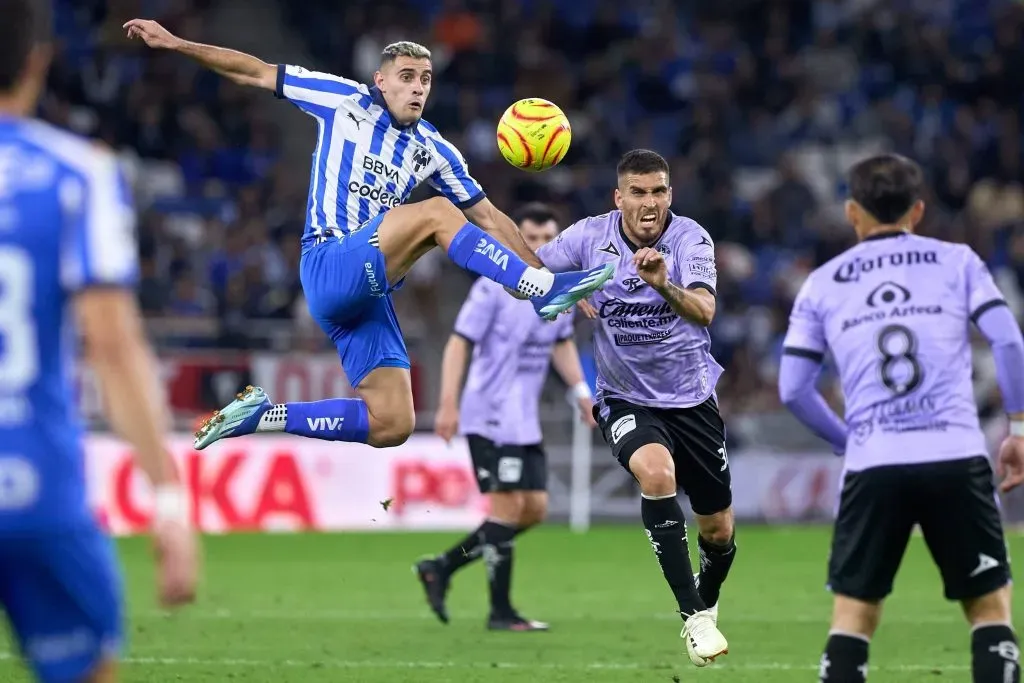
(656, 379)
(895, 314)
(360, 240)
(511, 351)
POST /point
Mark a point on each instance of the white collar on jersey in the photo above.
(378, 98)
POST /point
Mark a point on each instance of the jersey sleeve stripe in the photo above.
(472, 201)
(816, 356)
(468, 187)
(464, 335)
(985, 307)
(703, 285)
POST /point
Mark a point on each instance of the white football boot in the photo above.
(704, 642)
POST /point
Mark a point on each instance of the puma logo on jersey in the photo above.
(318, 424)
(492, 252)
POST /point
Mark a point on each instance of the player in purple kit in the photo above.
(511, 351)
(895, 313)
(656, 380)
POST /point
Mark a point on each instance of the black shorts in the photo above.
(694, 436)
(953, 502)
(508, 468)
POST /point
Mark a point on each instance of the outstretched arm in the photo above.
(238, 67)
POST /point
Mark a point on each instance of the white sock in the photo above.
(274, 420)
(535, 282)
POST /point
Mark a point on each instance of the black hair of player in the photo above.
(887, 186)
(641, 162)
(535, 212)
(25, 24)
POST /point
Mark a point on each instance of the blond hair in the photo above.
(403, 48)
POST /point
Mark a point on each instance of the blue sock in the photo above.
(478, 252)
(334, 419)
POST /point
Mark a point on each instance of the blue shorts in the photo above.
(347, 292)
(62, 594)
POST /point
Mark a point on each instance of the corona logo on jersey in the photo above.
(533, 134)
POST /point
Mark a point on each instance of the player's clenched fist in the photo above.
(446, 422)
(651, 267)
(1010, 465)
(154, 35)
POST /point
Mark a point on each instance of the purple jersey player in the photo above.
(656, 379)
(895, 313)
(512, 350)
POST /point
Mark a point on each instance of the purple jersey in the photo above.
(895, 311)
(511, 355)
(646, 353)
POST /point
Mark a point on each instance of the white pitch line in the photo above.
(402, 615)
(230, 662)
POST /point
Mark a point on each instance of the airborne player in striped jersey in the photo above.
(360, 241)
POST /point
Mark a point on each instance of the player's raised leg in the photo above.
(665, 524)
(407, 232)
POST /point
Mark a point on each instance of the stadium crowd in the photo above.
(759, 105)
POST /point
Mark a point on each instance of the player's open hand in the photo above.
(651, 267)
(446, 421)
(586, 406)
(587, 309)
(1010, 466)
(152, 33)
(177, 559)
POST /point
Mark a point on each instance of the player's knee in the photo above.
(535, 508)
(991, 608)
(391, 430)
(508, 507)
(655, 479)
(853, 616)
(437, 211)
(717, 529)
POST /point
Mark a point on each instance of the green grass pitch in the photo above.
(346, 607)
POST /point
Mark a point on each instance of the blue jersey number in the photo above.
(19, 355)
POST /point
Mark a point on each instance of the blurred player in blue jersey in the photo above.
(360, 239)
(68, 266)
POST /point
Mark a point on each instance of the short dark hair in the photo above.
(887, 186)
(25, 24)
(641, 161)
(537, 212)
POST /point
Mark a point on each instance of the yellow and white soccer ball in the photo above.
(533, 134)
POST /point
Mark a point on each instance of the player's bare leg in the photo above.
(663, 519)
(995, 654)
(717, 546)
(409, 231)
(511, 513)
(105, 672)
(387, 393)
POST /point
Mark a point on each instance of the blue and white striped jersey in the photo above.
(66, 224)
(365, 163)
